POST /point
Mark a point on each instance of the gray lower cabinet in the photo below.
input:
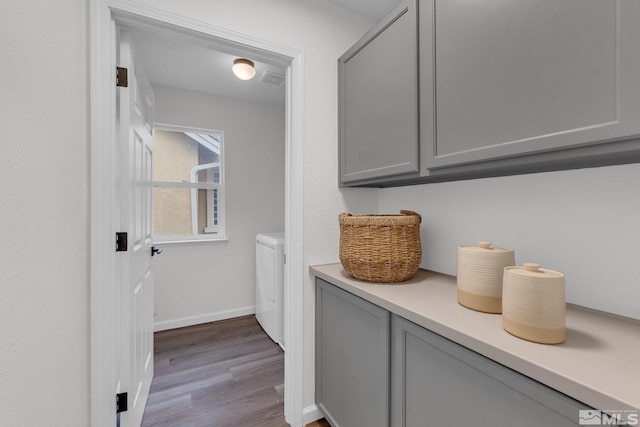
(352, 359)
(437, 382)
(376, 369)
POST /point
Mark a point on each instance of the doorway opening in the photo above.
(105, 15)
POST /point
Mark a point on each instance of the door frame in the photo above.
(103, 16)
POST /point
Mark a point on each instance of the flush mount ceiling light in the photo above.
(243, 69)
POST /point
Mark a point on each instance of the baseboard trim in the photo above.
(310, 414)
(203, 318)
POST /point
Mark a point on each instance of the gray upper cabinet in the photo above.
(504, 88)
(378, 100)
(531, 76)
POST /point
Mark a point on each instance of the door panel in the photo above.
(136, 164)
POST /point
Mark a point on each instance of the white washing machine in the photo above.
(270, 284)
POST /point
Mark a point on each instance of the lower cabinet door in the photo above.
(352, 359)
(436, 382)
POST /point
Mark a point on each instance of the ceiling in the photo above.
(197, 67)
(373, 9)
(188, 64)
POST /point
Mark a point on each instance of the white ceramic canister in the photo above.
(534, 304)
(480, 273)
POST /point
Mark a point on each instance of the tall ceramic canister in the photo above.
(534, 304)
(480, 272)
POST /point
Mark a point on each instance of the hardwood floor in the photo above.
(222, 374)
(226, 373)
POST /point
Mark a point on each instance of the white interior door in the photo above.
(135, 117)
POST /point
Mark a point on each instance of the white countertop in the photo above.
(598, 364)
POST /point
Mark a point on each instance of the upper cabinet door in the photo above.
(517, 77)
(378, 100)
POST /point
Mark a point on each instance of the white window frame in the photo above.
(213, 232)
(215, 222)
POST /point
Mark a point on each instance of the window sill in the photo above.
(188, 241)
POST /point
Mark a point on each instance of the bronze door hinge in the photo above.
(122, 78)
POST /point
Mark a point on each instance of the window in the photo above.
(188, 181)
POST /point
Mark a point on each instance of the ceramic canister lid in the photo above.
(533, 270)
(486, 247)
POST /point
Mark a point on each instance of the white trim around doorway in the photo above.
(103, 166)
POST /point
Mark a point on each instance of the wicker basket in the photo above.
(380, 248)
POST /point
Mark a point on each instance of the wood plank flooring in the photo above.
(226, 373)
(223, 374)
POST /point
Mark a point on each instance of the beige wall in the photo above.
(174, 156)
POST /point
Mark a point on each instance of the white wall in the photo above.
(583, 223)
(200, 282)
(44, 338)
